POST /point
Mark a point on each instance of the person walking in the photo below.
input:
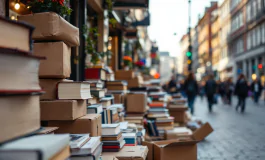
(256, 89)
(172, 88)
(241, 90)
(229, 88)
(191, 90)
(210, 89)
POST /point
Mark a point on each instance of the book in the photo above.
(92, 100)
(106, 101)
(93, 156)
(73, 90)
(16, 35)
(95, 73)
(129, 135)
(111, 137)
(78, 140)
(113, 148)
(47, 130)
(116, 83)
(113, 143)
(19, 71)
(110, 129)
(95, 108)
(119, 107)
(99, 93)
(88, 148)
(139, 89)
(119, 88)
(96, 84)
(157, 105)
(20, 107)
(39, 147)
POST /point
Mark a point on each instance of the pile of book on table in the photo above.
(84, 147)
(112, 138)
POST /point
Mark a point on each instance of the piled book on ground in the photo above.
(112, 138)
(127, 153)
(84, 147)
(178, 110)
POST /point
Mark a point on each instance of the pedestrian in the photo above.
(210, 89)
(191, 90)
(229, 88)
(241, 90)
(256, 89)
(221, 90)
(172, 85)
(201, 90)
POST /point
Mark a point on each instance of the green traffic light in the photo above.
(188, 54)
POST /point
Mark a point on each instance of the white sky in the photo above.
(171, 16)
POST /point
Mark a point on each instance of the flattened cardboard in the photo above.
(58, 59)
(129, 153)
(124, 75)
(90, 123)
(50, 87)
(136, 102)
(19, 116)
(150, 147)
(202, 132)
(62, 109)
(51, 26)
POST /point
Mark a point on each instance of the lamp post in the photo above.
(189, 53)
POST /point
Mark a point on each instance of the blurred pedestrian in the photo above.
(229, 88)
(221, 90)
(241, 90)
(172, 85)
(191, 90)
(201, 90)
(256, 89)
(210, 89)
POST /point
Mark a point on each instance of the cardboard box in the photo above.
(124, 75)
(50, 26)
(135, 82)
(179, 116)
(150, 147)
(178, 133)
(50, 88)
(118, 98)
(58, 59)
(62, 109)
(19, 116)
(90, 123)
(129, 153)
(136, 102)
(178, 149)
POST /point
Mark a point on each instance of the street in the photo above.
(236, 136)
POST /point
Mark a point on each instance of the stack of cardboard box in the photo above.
(130, 76)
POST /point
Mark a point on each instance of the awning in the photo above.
(130, 4)
(131, 33)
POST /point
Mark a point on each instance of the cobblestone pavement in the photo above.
(237, 136)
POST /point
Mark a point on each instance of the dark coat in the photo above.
(253, 87)
(187, 83)
(242, 88)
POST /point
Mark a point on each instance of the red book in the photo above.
(157, 105)
(95, 73)
(111, 147)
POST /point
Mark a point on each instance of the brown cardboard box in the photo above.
(58, 59)
(124, 75)
(150, 147)
(135, 82)
(136, 102)
(90, 123)
(117, 98)
(179, 116)
(178, 133)
(202, 132)
(178, 149)
(50, 87)
(129, 153)
(62, 109)
(50, 26)
(19, 116)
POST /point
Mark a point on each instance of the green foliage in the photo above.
(57, 6)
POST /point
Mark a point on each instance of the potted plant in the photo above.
(127, 62)
(48, 18)
(139, 64)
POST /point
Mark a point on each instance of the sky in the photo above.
(171, 16)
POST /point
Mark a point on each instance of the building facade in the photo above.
(248, 37)
(182, 58)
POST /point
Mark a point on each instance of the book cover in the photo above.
(95, 73)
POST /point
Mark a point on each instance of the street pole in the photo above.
(189, 35)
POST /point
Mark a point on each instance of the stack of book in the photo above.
(136, 118)
(112, 138)
(19, 99)
(179, 111)
(84, 147)
(130, 139)
(120, 110)
(117, 85)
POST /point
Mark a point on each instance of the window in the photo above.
(254, 8)
(258, 35)
(259, 5)
(263, 32)
(253, 38)
(249, 12)
(249, 40)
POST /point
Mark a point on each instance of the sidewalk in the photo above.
(237, 136)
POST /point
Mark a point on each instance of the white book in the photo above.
(74, 90)
(40, 147)
(78, 140)
(124, 125)
(87, 148)
(110, 129)
(129, 135)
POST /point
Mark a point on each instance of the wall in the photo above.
(2, 8)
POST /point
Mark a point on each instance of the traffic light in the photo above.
(260, 66)
(189, 57)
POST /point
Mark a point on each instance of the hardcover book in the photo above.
(73, 90)
(95, 73)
